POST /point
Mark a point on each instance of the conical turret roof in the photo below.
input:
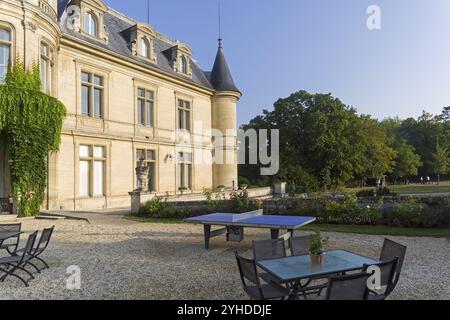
(221, 77)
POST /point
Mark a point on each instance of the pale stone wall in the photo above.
(117, 131)
(120, 132)
(225, 172)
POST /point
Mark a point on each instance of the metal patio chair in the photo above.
(254, 288)
(266, 250)
(39, 249)
(299, 246)
(348, 287)
(15, 263)
(11, 244)
(390, 250)
(388, 271)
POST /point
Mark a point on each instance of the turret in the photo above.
(224, 103)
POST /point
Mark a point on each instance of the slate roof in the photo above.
(220, 76)
(219, 79)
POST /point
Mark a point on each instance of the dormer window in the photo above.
(144, 49)
(179, 56)
(90, 24)
(141, 41)
(92, 17)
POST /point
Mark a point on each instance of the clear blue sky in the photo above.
(276, 47)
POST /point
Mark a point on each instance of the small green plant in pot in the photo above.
(317, 242)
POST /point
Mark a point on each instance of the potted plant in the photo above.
(244, 186)
(221, 188)
(316, 251)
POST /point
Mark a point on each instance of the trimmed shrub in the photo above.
(435, 216)
(366, 193)
(406, 214)
(153, 207)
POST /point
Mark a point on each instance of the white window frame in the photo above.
(184, 107)
(92, 160)
(92, 87)
(91, 24)
(145, 100)
(184, 171)
(47, 60)
(9, 44)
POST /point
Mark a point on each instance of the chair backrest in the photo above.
(44, 240)
(392, 249)
(269, 249)
(28, 250)
(14, 241)
(299, 246)
(387, 269)
(349, 287)
(249, 272)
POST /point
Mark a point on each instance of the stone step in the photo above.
(44, 217)
(7, 217)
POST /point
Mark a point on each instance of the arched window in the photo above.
(90, 24)
(144, 48)
(5, 52)
(183, 65)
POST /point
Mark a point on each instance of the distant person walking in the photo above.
(428, 180)
(421, 180)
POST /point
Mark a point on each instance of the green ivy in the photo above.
(30, 124)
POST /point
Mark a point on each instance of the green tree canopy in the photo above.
(379, 155)
(441, 160)
(407, 162)
(318, 133)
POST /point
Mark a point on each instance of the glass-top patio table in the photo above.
(291, 270)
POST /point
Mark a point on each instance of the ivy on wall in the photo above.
(30, 124)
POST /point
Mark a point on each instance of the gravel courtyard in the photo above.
(121, 259)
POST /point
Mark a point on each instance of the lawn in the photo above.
(380, 230)
(443, 187)
(370, 230)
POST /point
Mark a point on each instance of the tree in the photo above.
(318, 133)
(379, 154)
(445, 116)
(407, 162)
(441, 160)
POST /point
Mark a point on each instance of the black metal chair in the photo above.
(299, 246)
(266, 250)
(387, 273)
(11, 244)
(348, 287)
(39, 249)
(390, 250)
(256, 290)
(18, 262)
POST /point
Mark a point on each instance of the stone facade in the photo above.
(110, 143)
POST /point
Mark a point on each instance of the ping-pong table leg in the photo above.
(207, 230)
(274, 234)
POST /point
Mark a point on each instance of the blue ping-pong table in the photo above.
(235, 223)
